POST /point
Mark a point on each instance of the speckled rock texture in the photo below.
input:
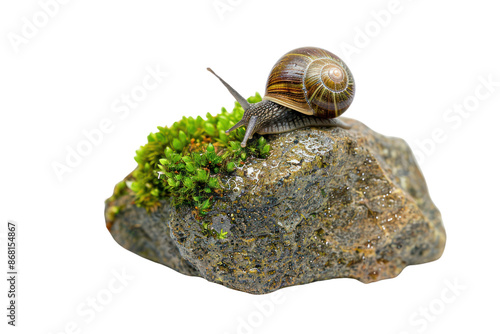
(326, 203)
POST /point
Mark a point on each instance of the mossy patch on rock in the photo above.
(184, 162)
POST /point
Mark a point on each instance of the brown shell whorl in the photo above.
(312, 81)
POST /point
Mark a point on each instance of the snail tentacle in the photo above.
(237, 125)
(241, 100)
(250, 130)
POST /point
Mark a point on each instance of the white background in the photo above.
(414, 69)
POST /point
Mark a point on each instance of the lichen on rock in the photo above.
(325, 203)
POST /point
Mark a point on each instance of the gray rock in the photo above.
(326, 203)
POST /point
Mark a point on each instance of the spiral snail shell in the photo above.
(306, 87)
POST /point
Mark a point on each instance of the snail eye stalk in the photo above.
(241, 100)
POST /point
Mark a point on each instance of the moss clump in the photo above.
(185, 161)
(211, 232)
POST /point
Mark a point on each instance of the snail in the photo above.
(306, 87)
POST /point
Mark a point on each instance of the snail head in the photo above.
(249, 119)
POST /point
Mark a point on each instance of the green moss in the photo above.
(209, 231)
(185, 161)
(112, 211)
(120, 190)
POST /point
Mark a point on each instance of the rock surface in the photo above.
(326, 203)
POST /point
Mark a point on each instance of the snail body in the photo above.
(306, 87)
